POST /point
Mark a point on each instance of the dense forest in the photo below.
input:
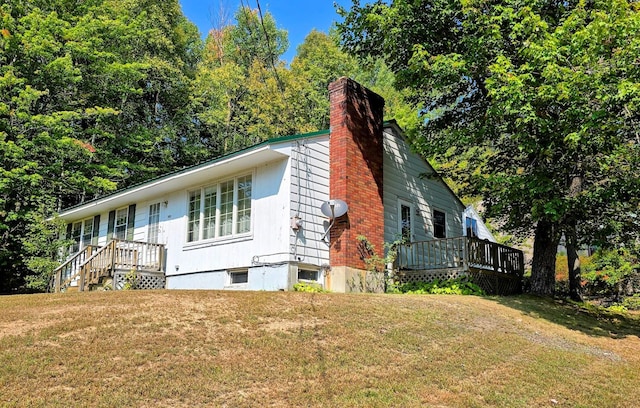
(531, 106)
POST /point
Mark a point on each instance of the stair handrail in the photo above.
(85, 267)
(55, 282)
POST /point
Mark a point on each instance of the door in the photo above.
(407, 254)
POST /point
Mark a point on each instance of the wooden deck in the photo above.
(497, 268)
(93, 264)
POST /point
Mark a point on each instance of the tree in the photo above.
(93, 97)
(536, 100)
(240, 66)
(320, 61)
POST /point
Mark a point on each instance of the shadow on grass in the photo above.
(588, 319)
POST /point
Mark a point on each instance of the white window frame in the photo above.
(238, 272)
(80, 243)
(153, 227)
(125, 225)
(412, 211)
(220, 231)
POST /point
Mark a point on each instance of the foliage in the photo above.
(532, 105)
(377, 264)
(607, 270)
(632, 302)
(310, 287)
(130, 280)
(618, 308)
(92, 97)
(458, 286)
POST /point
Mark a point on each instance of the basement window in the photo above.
(307, 275)
(238, 277)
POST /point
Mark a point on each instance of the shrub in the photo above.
(309, 287)
(130, 280)
(606, 272)
(632, 302)
(459, 286)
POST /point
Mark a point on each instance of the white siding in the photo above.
(309, 189)
(267, 243)
(403, 180)
(483, 231)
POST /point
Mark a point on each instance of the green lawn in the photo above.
(209, 348)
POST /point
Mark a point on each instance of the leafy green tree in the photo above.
(93, 97)
(535, 101)
(320, 61)
(234, 91)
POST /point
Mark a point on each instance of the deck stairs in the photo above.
(132, 263)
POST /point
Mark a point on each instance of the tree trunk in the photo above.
(543, 267)
(573, 261)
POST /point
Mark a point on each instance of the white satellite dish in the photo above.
(334, 208)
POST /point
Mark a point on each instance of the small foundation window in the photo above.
(307, 275)
(236, 278)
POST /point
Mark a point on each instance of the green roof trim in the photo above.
(275, 140)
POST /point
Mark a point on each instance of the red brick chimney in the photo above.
(355, 171)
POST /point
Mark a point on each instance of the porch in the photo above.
(140, 264)
(496, 268)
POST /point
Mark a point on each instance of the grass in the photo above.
(208, 348)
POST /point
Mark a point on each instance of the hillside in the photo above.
(202, 348)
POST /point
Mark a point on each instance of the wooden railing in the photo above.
(116, 255)
(66, 273)
(460, 252)
(496, 257)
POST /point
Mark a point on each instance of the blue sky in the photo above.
(298, 17)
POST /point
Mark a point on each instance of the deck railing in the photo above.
(89, 266)
(66, 273)
(460, 252)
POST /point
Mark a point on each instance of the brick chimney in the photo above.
(356, 160)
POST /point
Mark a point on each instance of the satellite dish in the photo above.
(334, 208)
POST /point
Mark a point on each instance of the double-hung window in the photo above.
(220, 210)
(122, 220)
(83, 233)
(154, 223)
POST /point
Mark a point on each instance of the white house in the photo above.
(255, 220)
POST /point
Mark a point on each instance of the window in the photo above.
(76, 233)
(244, 205)
(220, 210)
(405, 222)
(307, 275)
(439, 224)
(406, 211)
(209, 222)
(226, 208)
(154, 223)
(122, 218)
(471, 226)
(239, 277)
(83, 233)
(87, 231)
(193, 225)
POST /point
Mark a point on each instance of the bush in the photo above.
(459, 286)
(632, 302)
(309, 287)
(606, 272)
